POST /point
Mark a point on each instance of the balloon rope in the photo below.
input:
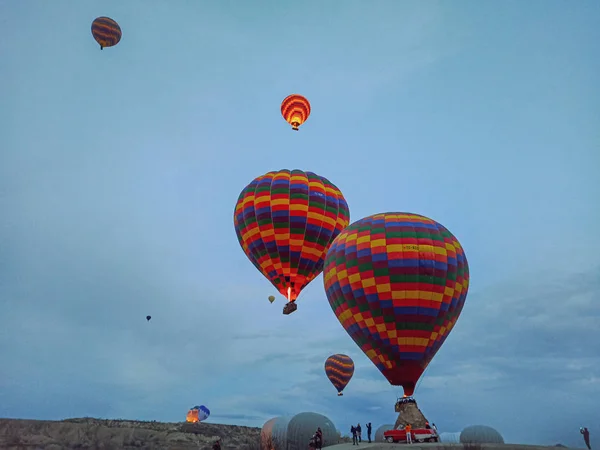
(421, 379)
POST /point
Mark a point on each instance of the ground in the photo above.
(88, 433)
(92, 434)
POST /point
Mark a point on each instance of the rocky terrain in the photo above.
(92, 434)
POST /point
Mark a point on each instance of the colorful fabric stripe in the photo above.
(285, 222)
(397, 283)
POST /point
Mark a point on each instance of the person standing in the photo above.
(319, 439)
(408, 429)
(354, 435)
(586, 436)
(358, 432)
(369, 431)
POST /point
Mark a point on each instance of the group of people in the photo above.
(316, 441)
(403, 400)
(357, 433)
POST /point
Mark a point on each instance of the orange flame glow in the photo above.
(192, 416)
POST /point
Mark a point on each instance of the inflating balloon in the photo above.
(295, 109)
(339, 369)
(197, 414)
(271, 298)
(397, 283)
(106, 32)
(285, 222)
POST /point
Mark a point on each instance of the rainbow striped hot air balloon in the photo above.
(295, 109)
(106, 32)
(339, 369)
(397, 283)
(285, 222)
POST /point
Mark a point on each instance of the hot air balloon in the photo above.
(197, 414)
(106, 32)
(339, 369)
(285, 222)
(148, 318)
(271, 298)
(295, 109)
(397, 283)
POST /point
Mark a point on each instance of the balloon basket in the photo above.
(403, 401)
(290, 308)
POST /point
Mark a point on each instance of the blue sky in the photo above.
(119, 171)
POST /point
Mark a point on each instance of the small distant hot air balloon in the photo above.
(295, 109)
(197, 414)
(106, 32)
(397, 283)
(339, 369)
(148, 318)
(271, 298)
(285, 222)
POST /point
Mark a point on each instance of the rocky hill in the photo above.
(93, 434)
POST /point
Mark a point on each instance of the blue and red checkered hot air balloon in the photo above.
(397, 283)
(339, 369)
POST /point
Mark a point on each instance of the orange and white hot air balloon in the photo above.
(295, 109)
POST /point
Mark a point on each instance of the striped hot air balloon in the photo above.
(397, 283)
(295, 109)
(285, 222)
(339, 369)
(106, 32)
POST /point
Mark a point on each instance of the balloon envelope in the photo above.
(271, 298)
(303, 426)
(285, 222)
(106, 32)
(197, 414)
(397, 283)
(295, 109)
(339, 369)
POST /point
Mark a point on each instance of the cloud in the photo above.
(520, 348)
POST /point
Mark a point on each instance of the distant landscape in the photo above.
(90, 433)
